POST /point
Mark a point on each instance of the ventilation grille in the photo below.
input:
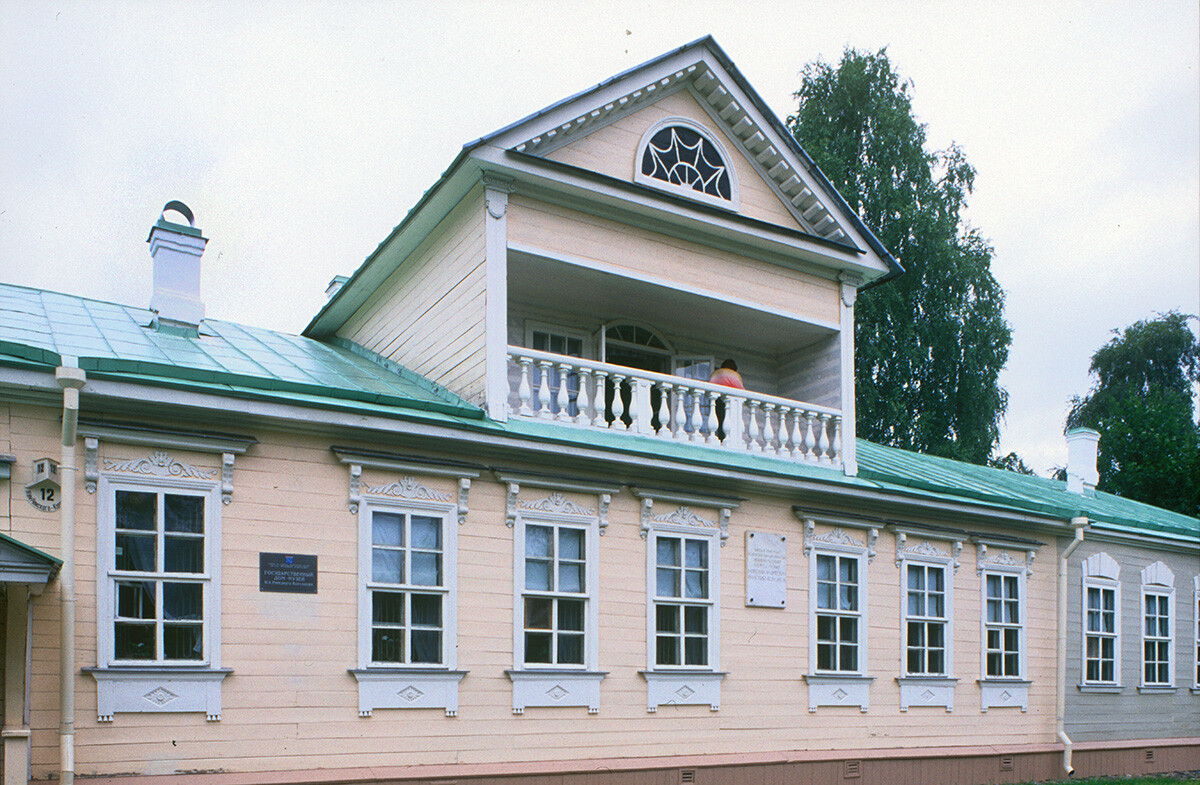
(687, 775)
(1006, 763)
(1150, 755)
(851, 769)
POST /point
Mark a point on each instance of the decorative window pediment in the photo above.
(407, 487)
(679, 155)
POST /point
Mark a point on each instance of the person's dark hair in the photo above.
(730, 364)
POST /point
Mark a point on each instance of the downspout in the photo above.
(1079, 524)
(71, 379)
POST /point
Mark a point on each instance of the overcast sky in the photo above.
(301, 132)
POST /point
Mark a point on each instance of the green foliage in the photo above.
(1011, 462)
(1141, 403)
(930, 344)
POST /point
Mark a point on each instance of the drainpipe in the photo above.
(1079, 524)
(71, 379)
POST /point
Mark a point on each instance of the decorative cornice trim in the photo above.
(683, 517)
(406, 488)
(837, 537)
(924, 549)
(1004, 560)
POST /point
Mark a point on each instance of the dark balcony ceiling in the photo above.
(594, 297)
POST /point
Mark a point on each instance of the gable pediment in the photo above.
(603, 129)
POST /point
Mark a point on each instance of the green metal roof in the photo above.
(112, 340)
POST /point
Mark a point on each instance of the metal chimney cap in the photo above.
(179, 207)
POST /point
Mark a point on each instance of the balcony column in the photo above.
(495, 231)
(849, 286)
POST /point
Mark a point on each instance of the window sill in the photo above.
(551, 687)
(158, 689)
(1003, 693)
(1157, 689)
(927, 691)
(1101, 689)
(682, 687)
(831, 689)
(407, 688)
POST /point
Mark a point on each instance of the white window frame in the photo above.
(1102, 573)
(585, 337)
(915, 548)
(386, 685)
(1009, 690)
(1158, 581)
(537, 685)
(734, 201)
(157, 685)
(839, 687)
(1017, 578)
(1196, 628)
(684, 516)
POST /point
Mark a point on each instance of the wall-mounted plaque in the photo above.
(766, 570)
(294, 573)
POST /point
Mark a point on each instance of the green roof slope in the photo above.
(1038, 495)
(119, 340)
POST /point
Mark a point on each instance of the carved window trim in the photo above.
(684, 684)
(406, 487)
(1102, 573)
(708, 137)
(537, 685)
(227, 446)
(1158, 581)
(157, 686)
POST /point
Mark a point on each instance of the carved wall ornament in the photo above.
(407, 488)
(556, 503)
(464, 489)
(355, 487)
(683, 516)
(838, 537)
(159, 464)
(925, 548)
(91, 463)
(510, 505)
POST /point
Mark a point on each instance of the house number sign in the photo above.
(291, 573)
(766, 570)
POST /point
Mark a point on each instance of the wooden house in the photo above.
(488, 518)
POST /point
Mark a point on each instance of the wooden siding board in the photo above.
(684, 263)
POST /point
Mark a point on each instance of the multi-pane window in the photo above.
(1100, 636)
(925, 620)
(1002, 625)
(407, 588)
(555, 596)
(1156, 639)
(159, 576)
(1196, 623)
(682, 601)
(838, 613)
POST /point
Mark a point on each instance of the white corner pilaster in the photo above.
(849, 294)
(495, 231)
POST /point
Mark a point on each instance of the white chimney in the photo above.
(176, 250)
(1082, 446)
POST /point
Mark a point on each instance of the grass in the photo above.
(1161, 779)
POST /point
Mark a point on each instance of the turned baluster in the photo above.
(581, 398)
(835, 425)
(680, 430)
(752, 442)
(697, 427)
(797, 436)
(544, 390)
(768, 435)
(524, 392)
(618, 405)
(563, 399)
(598, 420)
(713, 397)
(810, 438)
(664, 410)
(823, 445)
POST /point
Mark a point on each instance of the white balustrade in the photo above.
(589, 394)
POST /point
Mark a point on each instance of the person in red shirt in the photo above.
(727, 376)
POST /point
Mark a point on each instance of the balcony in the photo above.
(584, 393)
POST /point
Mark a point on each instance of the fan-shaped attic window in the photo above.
(679, 155)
